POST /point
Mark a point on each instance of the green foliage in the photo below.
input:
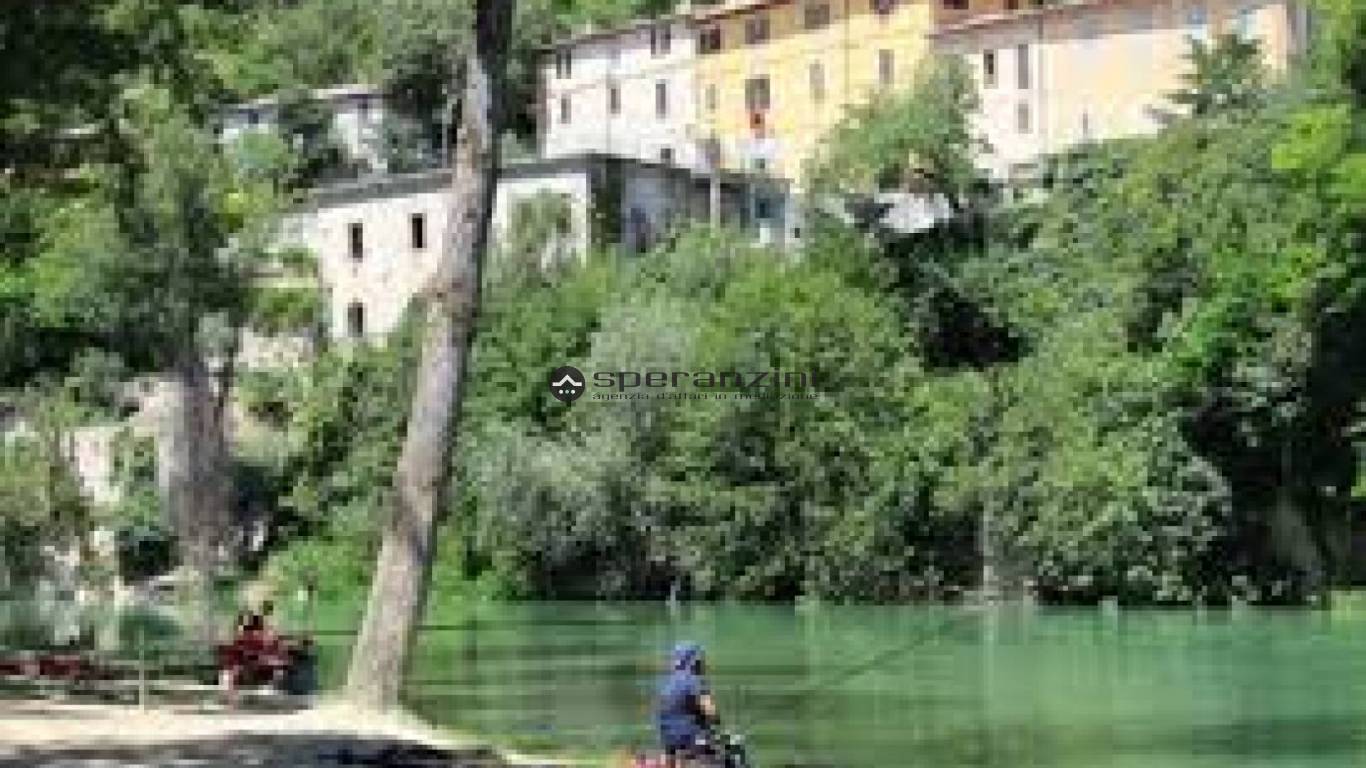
(919, 140)
(540, 236)
(1224, 77)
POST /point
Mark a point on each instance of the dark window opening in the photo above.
(357, 233)
(662, 99)
(758, 97)
(614, 99)
(989, 69)
(817, 75)
(709, 40)
(886, 68)
(757, 30)
(418, 225)
(666, 156)
(564, 110)
(1022, 66)
(355, 320)
(661, 40)
(816, 15)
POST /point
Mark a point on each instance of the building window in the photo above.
(757, 30)
(882, 7)
(666, 155)
(816, 15)
(355, 320)
(758, 97)
(363, 107)
(661, 99)
(956, 5)
(253, 118)
(817, 75)
(565, 110)
(1242, 24)
(564, 64)
(1197, 23)
(1022, 118)
(1012, 5)
(709, 97)
(1085, 125)
(886, 68)
(661, 40)
(357, 233)
(417, 229)
(614, 99)
(1022, 67)
(709, 40)
(989, 69)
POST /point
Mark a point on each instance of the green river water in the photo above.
(1008, 687)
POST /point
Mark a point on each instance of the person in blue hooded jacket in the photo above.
(686, 710)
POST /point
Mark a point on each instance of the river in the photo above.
(1008, 687)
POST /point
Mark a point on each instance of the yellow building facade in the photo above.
(772, 78)
(1054, 76)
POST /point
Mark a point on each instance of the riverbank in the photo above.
(46, 734)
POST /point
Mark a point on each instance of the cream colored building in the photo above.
(1054, 76)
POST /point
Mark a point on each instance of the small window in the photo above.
(817, 75)
(357, 233)
(355, 320)
(758, 97)
(886, 68)
(956, 5)
(253, 117)
(710, 97)
(666, 155)
(1012, 5)
(564, 64)
(882, 7)
(709, 40)
(661, 99)
(1023, 123)
(661, 40)
(1022, 66)
(614, 99)
(1085, 125)
(1197, 23)
(566, 110)
(816, 15)
(989, 69)
(417, 225)
(764, 208)
(757, 30)
(1242, 24)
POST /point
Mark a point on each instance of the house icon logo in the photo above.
(567, 384)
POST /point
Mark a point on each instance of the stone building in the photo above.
(378, 240)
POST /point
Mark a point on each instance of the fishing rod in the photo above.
(872, 661)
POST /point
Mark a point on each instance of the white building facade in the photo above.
(377, 242)
(628, 92)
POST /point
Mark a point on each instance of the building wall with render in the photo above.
(623, 93)
(1075, 72)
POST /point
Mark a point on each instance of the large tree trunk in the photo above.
(195, 475)
(398, 594)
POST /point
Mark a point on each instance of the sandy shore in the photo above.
(43, 734)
